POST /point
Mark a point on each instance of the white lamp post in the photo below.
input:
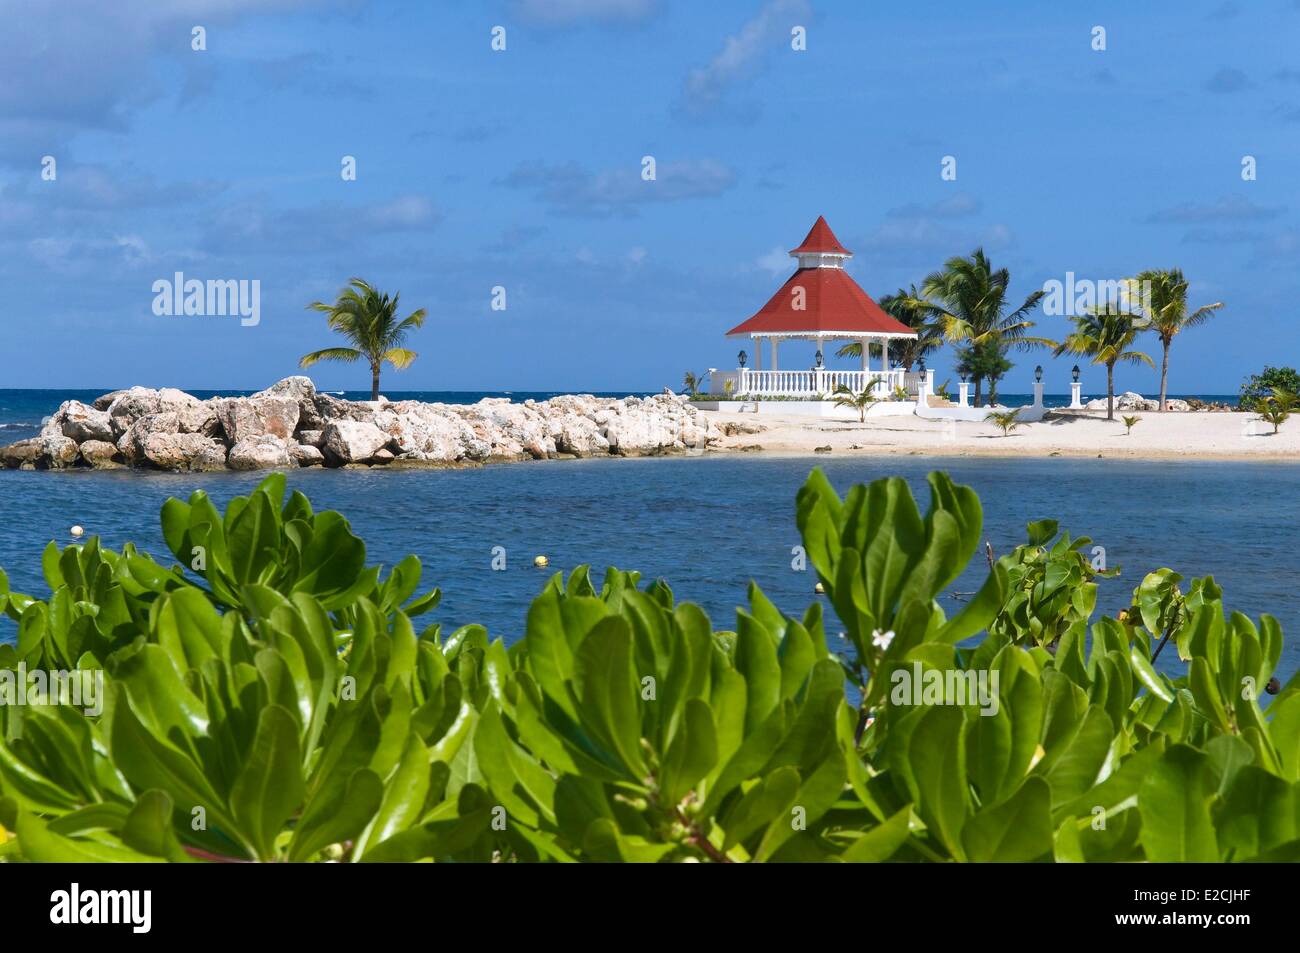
(1038, 386)
(1075, 403)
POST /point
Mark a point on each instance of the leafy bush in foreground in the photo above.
(276, 702)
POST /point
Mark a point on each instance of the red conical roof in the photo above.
(821, 239)
(831, 302)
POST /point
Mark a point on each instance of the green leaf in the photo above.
(937, 754)
(1175, 804)
(270, 787)
(1016, 831)
(882, 841)
(609, 691)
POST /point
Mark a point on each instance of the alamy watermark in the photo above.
(932, 686)
(1077, 296)
(80, 688)
(217, 297)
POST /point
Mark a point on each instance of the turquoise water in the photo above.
(710, 524)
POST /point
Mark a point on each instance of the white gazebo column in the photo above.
(866, 349)
(775, 342)
(884, 365)
(758, 353)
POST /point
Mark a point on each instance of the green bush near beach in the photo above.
(270, 697)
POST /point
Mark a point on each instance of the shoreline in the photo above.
(1228, 436)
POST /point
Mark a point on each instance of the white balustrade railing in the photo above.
(811, 384)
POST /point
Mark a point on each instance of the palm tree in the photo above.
(1276, 409)
(987, 361)
(368, 319)
(907, 308)
(1105, 333)
(967, 300)
(1167, 312)
(1005, 419)
(692, 382)
(1130, 423)
(859, 402)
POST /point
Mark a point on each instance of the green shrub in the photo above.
(1258, 387)
(273, 700)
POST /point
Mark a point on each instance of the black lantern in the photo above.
(742, 357)
(1038, 374)
(921, 367)
(1074, 372)
(819, 359)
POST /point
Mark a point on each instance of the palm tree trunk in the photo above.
(374, 381)
(1110, 391)
(1164, 375)
(978, 381)
(993, 391)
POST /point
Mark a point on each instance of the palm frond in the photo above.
(400, 357)
(345, 354)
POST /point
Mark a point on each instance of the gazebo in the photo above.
(821, 303)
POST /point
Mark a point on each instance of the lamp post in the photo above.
(963, 392)
(1038, 386)
(1075, 403)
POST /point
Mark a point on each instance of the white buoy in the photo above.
(77, 531)
(541, 562)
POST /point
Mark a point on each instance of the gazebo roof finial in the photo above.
(821, 240)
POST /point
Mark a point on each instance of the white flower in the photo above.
(881, 640)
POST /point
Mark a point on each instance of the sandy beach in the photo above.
(1192, 435)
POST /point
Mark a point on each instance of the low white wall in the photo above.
(809, 408)
(1030, 413)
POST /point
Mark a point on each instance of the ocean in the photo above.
(708, 525)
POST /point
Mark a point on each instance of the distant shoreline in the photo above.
(1191, 435)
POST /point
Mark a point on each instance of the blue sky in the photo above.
(522, 169)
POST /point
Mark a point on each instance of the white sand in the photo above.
(1191, 435)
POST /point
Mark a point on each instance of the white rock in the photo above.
(100, 454)
(353, 441)
(81, 423)
(259, 452)
(243, 417)
(306, 455)
(56, 451)
(182, 451)
(130, 405)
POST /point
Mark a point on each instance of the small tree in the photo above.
(692, 382)
(1276, 408)
(1005, 419)
(860, 402)
(1129, 423)
(1106, 334)
(728, 387)
(367, 318)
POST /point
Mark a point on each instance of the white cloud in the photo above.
(741, 53)
(776, 262)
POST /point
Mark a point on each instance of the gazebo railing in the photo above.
(810, 384)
